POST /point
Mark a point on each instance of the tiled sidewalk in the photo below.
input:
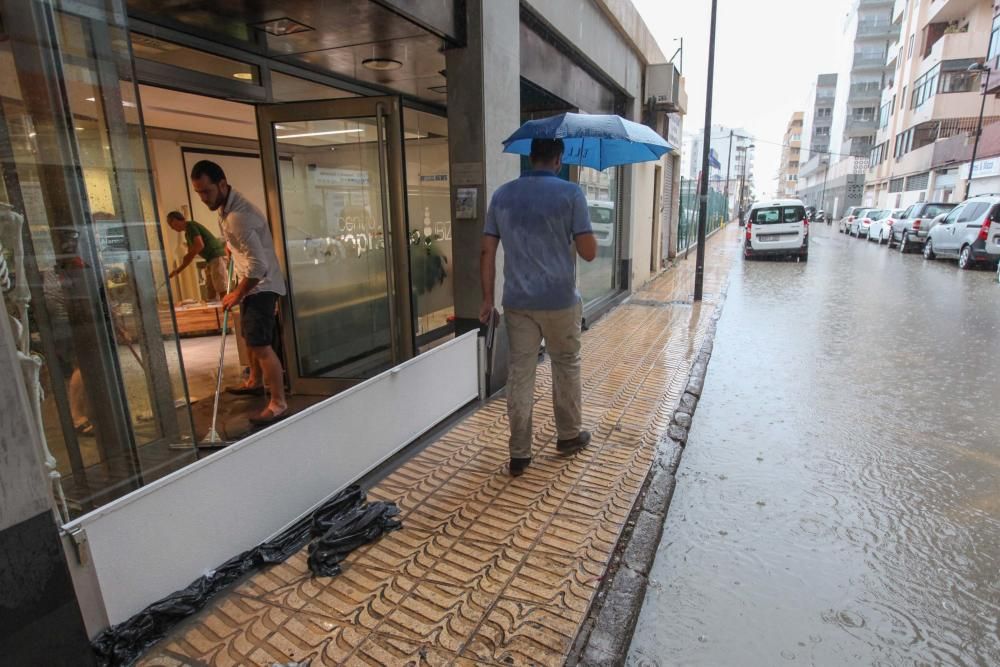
(487, 569)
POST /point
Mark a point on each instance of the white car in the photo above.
(602, 221)
(777, 227)
(864, 220)
(880, 230)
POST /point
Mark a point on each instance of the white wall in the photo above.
(642, 208)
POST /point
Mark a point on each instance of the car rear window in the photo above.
(600, 216)
(933, 210)
(774, 215)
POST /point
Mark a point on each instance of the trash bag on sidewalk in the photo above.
(339, 535)
(341, 524)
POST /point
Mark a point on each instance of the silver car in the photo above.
(909, 231)
(969, 233)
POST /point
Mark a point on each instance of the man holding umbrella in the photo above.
(539, 218)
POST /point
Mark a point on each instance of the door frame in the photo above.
(387, 111)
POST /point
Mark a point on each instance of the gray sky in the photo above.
(767, 52)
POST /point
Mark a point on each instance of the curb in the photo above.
(606, 634)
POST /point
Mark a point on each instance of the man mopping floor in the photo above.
(539, 218)
(261, 283)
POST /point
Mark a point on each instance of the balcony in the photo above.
(872, 62)
(949, 10)
(860, 126)
(955, 46)
(898, 9)
(876, 30)
(860, 93)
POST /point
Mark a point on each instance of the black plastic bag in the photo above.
(340, 525)
(344, 533)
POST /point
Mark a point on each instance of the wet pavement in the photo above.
(838, 502)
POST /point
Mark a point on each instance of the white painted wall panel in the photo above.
(161, 537)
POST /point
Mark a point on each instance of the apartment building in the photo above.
(930, 106)
(788, 171)
(733, 148)
(833, 174)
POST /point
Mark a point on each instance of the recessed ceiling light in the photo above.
(79, 129)
(91, 99)
(243, 76)
(281, 27)
(317, 134)
(381, 64)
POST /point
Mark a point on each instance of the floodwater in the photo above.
(838, 502)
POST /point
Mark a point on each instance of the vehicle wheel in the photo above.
(804, 257)
(904, 244)
(881, 238)
(965, 259)
(929, 249)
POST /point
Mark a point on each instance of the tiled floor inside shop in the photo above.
(487, 569)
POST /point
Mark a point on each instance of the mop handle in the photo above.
(222, 347)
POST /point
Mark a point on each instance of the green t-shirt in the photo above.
(214, 246)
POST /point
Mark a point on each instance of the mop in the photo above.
(212, 438)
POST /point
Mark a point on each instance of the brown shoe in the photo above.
(243, 390)
(518, 466)
(573, 445)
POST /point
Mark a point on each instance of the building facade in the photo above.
(930, 107)
(835, 180)
(791, 154)
(370, 133)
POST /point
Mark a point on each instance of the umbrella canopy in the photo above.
(592, 140)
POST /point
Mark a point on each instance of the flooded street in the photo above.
(838, 502)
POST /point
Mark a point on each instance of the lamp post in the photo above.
(977, 67)
(822, 197)
(699, 269)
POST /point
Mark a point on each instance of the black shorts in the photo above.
(257, 319)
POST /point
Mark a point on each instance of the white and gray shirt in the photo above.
(246, 231)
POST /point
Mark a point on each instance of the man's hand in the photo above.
(232, 299)
(486, 312)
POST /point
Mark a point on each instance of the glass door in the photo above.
(335, 185)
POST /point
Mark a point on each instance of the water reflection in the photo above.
(839, 501)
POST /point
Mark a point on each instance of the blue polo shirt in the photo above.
(536, 218)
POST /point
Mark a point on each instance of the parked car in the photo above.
(909, 231)
(864, 219)
(881, 228)
(602, 220)
(969, 233)
(845, 223)
(777, 228)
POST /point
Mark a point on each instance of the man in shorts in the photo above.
(261, 283)
(202, 242)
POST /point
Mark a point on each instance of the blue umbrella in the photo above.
(592, 140)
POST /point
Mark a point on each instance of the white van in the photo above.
(777, 227)
(602, 221)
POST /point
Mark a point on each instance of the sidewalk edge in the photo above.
(605, 636)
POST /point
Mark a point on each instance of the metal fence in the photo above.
(687, 222)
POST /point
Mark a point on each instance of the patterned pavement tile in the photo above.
(488, 569)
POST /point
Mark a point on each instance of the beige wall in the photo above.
(642, 221)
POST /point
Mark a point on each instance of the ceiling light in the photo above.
(91, 99)
(243, 76)
(79, 129)
(126, 103)
(281, 27)
(317, 134)
(381, 64)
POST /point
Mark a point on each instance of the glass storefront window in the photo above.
(168, 53)
(428, 201)
(75, 172)
(597, 278)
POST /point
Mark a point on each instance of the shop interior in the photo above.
(331, 240)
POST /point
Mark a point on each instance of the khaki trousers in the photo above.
(525, 331)
(217, 277)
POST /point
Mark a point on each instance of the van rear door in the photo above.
(778, 228)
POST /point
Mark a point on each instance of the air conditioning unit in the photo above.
(663, 88)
